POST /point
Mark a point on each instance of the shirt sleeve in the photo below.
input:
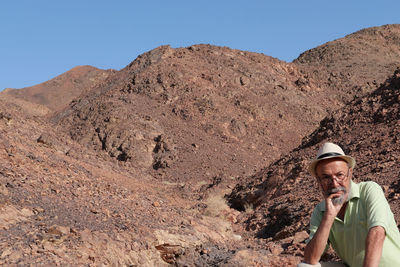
(315, 221)
(316, 218)
(377, 208)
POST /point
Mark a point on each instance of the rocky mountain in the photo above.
(130, 167)
(58, 92)
(355, 64)
(233, 100)
(283, 194)
(57, 209)
(190, 115)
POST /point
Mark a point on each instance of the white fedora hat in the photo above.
(328, 151)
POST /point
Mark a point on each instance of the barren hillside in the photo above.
(58, 92)
(196, 114)
(355, 64)
(223, 112)
(284, 193)
(61, 205)
(130, 167)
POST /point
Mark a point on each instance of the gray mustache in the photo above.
(337, 189)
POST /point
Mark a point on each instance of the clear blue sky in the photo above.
(40, 39)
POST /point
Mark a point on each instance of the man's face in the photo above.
(334, 175)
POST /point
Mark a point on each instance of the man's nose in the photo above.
(334, 182)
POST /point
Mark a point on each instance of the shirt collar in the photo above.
(354, 190)
(354, 193)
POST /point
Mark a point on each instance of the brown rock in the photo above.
(300, 237)
(133, 159)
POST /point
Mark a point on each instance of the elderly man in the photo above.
(354, 218)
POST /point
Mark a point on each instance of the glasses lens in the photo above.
(338, 177)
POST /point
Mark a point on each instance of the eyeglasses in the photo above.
(339, 177)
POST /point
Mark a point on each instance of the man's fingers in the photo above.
(334, 195)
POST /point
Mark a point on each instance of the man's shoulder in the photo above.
(320, 207)
(317, 213)
(369, 185)
(370, 188)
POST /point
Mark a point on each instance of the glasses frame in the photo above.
(329, 178)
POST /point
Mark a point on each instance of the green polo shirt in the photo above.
(367, 207)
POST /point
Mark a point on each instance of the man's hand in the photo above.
(331, 209)
(315, 248)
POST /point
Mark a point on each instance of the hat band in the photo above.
(329, 155)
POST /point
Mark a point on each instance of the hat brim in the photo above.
(350, 160)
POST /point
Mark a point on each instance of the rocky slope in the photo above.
(355, 64)
(129, 167)
(58, 92)
(195, 115)
(61, 205)
(283, 195)
(204, 113)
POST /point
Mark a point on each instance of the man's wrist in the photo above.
(328, 218)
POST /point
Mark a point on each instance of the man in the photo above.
(355, 219)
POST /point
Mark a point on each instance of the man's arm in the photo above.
(315, 248)
(373, 246)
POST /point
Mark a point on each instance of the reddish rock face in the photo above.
(131, 167)
(284, 194)
(57, 93)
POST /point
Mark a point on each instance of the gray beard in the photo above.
(338, 200)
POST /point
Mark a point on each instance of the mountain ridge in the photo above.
(135, 167)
